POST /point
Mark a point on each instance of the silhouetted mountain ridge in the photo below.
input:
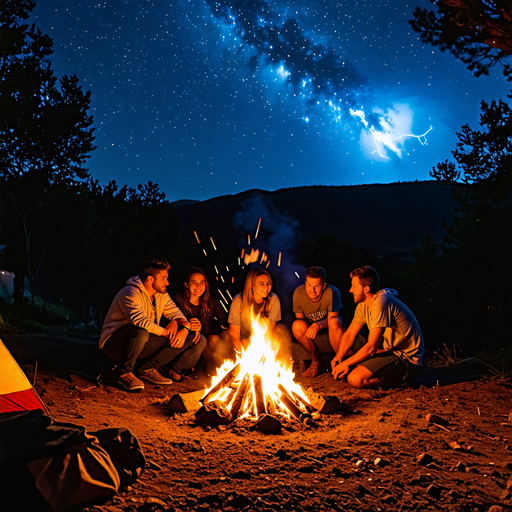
(379, 218)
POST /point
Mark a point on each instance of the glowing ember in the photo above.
(213, 243)
(197, 238)
(258, 382)
(252, 257)
(258, 229)
(279, 260)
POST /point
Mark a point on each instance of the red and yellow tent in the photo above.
(16, 391)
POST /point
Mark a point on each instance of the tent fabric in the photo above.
(16, 391)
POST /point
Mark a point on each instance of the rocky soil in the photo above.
(378, 452)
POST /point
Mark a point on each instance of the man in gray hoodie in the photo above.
(132, 330)
(394, 349)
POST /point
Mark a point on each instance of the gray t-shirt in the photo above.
(235, 313)
(329, 302)
(402, 334)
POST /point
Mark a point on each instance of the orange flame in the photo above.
(260, 359)
(252, 257)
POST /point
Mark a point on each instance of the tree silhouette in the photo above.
(478, 32)
(45, 138)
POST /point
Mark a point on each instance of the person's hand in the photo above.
(340, 370)
(312, 331)
(336, 361)
(170, 330)
(196, 337)
(179, 339)
(195, 324)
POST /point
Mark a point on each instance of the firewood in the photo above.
(186, 402)
(301, 415)
(239, 397)
(288, 402)
(306, 404)
(224, 382)
(258, 396)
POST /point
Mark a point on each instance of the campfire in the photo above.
(258, 388)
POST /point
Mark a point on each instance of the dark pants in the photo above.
(130, 343)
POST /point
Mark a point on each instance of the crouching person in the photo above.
(131, 330)
(394, 349)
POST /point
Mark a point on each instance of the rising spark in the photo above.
(213, 243)
(205, 253)
(279, 260)
(197, 238)
(258, 229)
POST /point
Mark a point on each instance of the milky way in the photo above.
(211, 98)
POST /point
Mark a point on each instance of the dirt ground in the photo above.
(378, 452)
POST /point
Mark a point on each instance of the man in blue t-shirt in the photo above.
(318, 325)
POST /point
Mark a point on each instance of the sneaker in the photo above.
(130, 382)
(154, 376)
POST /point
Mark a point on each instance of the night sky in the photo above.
(212, 98)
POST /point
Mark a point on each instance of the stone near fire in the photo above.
(434, 418)
(460, 466)
(380, 463)
(324, 404)
(213, 414)
(268, 424)
(186, 402)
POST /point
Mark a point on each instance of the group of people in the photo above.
(166, 338)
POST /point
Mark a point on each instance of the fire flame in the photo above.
(260, 363)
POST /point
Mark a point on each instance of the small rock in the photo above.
(495, 508)
(362, 490)
(460, 466)
(455, 445)
(506, 465)
(424, 458)
(156, 501)
(380, 463)
(434, 418)
(434, 491)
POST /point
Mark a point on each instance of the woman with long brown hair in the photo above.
(204, 312)
(258, 296)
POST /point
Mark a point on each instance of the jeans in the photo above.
(130, 343)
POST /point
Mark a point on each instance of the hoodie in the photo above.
(133, 305)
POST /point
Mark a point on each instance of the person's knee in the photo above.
(355, 380)
(299, 328)
(140, 335)
(213, 341)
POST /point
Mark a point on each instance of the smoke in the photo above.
(279, 233)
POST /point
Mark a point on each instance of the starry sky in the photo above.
(215, 97)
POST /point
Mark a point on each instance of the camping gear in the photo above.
(56, 466)
(16, 391)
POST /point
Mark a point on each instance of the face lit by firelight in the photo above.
(315, 288)
(261, 288)
(357, 290)
(160, 281)
(196, 286)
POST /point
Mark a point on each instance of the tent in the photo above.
(16, 391)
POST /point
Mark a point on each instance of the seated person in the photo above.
(204, 312)
(257, 295)
(318, 326)
(394, 349)
(131, 330)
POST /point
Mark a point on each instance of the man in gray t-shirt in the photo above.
(394, 350)
(318, 326)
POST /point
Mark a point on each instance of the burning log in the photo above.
(239, 397)
(213, 414)
(259, 399)
(307, 405)
(226, 381)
